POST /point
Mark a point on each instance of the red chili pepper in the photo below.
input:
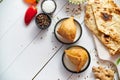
(30, 13)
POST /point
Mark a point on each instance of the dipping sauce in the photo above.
(43, 21)
(48, 6)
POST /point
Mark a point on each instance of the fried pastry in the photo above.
(77, 56)
(68, 29)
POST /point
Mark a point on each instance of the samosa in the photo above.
(68, 29)
(77, 56)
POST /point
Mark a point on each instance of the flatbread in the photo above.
(107, 17)
(112, 45)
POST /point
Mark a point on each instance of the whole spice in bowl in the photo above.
(48, 6)
(43, 21)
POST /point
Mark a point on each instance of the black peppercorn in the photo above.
(43, 21)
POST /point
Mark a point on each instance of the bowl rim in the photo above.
(89, 59)
(63, 41)
(48, 0)
(45, 26)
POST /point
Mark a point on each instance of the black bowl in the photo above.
(38, 21)
(68, 65)
(61, 39)
(50, 12)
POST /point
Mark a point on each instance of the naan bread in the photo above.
(107, 17)
(112, 45)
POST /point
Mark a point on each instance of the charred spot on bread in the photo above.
(117, 11)
(87, 16)
(105, 9)
(106, 36)
(110, 10)
(106, 16)
(98, 7)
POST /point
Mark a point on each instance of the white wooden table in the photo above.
(28, 53)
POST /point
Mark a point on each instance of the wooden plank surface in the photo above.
(28, 53)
